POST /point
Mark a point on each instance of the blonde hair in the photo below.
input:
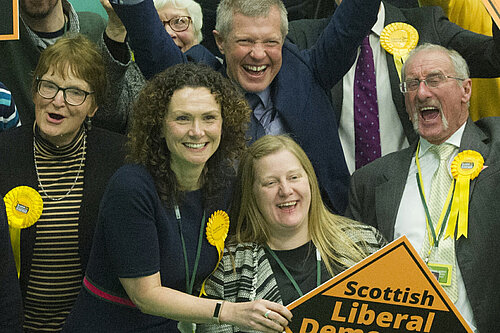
(328, 231)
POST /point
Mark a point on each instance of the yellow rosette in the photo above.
(217, 229)
(24, 205)
(399, 39)
(465, 166)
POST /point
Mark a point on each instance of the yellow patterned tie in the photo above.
(441, 182)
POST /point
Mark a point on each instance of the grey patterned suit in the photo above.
(375, 195)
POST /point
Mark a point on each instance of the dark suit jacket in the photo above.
(299, 91)
(481, 52)
(375, 195)
(10, 294)
(105, 154)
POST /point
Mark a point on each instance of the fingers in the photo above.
(276, 316)
(106, 5)
(261, 315)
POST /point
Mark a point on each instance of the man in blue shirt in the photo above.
(287, 88)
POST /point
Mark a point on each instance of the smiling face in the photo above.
(283, 194)
(192, 128)
(253, 50)
(437, 112)
(58, 121)
(183, 39)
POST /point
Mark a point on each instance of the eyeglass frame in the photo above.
(175, 18)
(86, 93)
(403, 85)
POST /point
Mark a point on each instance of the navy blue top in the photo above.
(137, 235)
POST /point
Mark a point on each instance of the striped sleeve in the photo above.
(9, 116)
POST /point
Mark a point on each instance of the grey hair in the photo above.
(458, 62)
(193, 9)
(251, 8)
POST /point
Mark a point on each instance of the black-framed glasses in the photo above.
(178, 24)
(72, 96)
(431, 81)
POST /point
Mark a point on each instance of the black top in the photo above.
(301, 263)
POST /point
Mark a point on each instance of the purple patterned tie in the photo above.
(366, 125)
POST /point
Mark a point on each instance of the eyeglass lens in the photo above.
(72, 96)
(178, 24)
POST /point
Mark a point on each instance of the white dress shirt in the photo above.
(392, 137)
(410, 220)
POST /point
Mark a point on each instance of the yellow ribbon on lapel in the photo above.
(399, 39)
(465, 166)
(217, 229)
(24, 206)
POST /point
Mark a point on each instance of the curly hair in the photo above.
(147, 146)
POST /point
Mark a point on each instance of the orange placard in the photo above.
(390, 291)
(9, 20)
(493, 7)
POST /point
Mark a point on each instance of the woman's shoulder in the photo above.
(365, 236)
(243, 254)
(132, 177)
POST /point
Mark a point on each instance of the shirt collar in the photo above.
(264, 96)
(454, 140)
(379, 25)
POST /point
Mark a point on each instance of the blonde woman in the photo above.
(286, 242)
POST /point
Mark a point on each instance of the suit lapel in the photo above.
(394, 14)
(474, 139)
(389, 193)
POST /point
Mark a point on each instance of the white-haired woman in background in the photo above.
(182, 20)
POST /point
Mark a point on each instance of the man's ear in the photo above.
(467, 87)
(219, 41)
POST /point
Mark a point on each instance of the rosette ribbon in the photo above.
(465, 166)
(24, 206)
(217, 229)
(399, 39)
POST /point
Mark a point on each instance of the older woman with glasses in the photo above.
(182, 20)
(66, 163)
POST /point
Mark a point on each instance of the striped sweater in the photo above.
(245, 274)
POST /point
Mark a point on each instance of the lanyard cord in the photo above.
(290, 277)
(190, 282)
(445, 212)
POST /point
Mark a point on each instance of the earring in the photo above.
(88, 123)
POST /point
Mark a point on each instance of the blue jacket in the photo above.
(300, 90)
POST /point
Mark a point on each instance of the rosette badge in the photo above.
(399, 39)
(24, 206)
(217, 229)
(465, 167)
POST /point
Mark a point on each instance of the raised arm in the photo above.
(154, 49)
(335, 50)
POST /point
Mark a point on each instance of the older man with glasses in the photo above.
(452, 170)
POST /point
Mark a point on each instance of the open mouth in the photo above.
(429, 113)
(287, 205)
(55, 116)
(195, 145)
(255, 70)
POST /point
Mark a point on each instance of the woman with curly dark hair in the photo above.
(150, 247)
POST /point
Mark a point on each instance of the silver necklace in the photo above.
(77, 175)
